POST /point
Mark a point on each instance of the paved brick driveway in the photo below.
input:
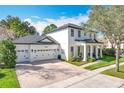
(42, 73)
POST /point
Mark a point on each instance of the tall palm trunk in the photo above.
(117, 58)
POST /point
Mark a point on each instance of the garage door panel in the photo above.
(21, 57)
(44, 55)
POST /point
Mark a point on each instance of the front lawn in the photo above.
(105, 61)
(78, 63)
(8, 78)
(112, 72)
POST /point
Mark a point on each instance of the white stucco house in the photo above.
(73, 42)
(64, 42)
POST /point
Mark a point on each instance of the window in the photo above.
(84, 34)
(78, 50)
(32, 50)
(94, 36)
(72, 51)
(79, 33)
(26, 50)
(35, 51)
(72, 32)
(22, 50)
(90, 35)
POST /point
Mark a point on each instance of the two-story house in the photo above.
(75, 42)
(65, 42)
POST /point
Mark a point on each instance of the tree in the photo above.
(49, 28)
(110, 21)
(17, 27)
(8, 53)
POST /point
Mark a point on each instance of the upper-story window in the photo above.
(79, 33)
(72, 32)
(84, 34)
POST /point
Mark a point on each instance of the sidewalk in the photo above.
(90, 79)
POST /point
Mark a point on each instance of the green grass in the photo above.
(112, 72)
(77, 63)
(105, 61)
(8, 78)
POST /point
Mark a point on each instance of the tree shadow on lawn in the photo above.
(2, 66)
(108, 59)
(122, 71)
(2, 75)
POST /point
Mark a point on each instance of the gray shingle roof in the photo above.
(34, 39)
(66, 26)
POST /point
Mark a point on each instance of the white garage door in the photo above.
(22, 55)
(44, 54)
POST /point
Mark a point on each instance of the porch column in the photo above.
(85, 53)
(96, 52)
(101, 52)
(91, 51)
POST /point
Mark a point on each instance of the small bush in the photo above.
(72, 59)
(78, 63)
(8, 53)
(109, 52)
(78, 59)
(91, 59)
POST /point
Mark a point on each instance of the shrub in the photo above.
(91, 59)
(72, 59)
(78, 59)
(109, 51)
(8, 53)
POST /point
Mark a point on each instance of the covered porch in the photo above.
(88, 50)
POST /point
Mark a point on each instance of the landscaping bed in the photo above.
(8, 78)
(112, 72)
(105, 61)
(78, 63)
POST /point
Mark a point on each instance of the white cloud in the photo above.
(28, 20)
(40, 25)
(36, 17)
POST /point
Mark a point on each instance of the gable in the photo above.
(46, 40)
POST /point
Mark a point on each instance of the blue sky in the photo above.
(41, 15)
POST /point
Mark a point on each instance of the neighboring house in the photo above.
(109, 45)
(74, 42)
(35, 47)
